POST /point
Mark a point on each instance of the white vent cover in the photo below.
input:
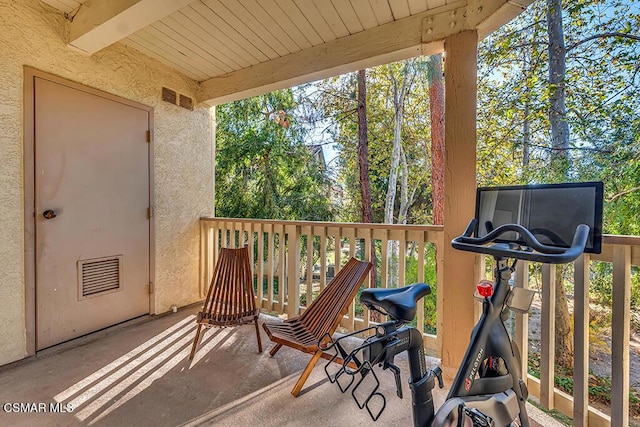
(99, 276)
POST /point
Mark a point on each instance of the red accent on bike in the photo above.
(485, 288)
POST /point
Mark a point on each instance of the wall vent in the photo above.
(169, 95)
(99, 276)
(186, 102)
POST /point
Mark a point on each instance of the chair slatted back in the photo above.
(230, 296)
(325, 312)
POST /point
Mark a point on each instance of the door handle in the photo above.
(49, 214)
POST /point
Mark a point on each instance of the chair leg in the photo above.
(275, 349)
(306, 373)
(195, 342)
(258, 336)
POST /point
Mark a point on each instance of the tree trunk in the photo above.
(363, 162)
(559, 163)
(363, 149)
(436, 107)
(399, 91)
(405, 202)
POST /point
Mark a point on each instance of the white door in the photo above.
(92, 220)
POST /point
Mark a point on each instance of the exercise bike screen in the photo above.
(551, 212)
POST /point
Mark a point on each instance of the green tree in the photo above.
(551, 91)
(263, 169)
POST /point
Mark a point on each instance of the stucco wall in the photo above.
(31, 34)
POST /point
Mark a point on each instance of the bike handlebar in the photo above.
(490, 244)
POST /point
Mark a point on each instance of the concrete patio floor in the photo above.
(141, 375)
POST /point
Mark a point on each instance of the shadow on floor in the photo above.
(142, 376)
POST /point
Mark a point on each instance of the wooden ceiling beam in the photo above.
(422, 33)
(100, 23)
(390, 42)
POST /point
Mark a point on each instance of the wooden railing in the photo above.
(623, 252)
(291, 278)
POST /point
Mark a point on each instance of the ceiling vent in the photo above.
(172, 97)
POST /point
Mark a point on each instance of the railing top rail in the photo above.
(610, 239)
(615, 239)
(409, 227)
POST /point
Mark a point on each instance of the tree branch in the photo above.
(601, 36)
(617, 196)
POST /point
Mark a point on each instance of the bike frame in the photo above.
(488, 338)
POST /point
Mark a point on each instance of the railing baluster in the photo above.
(282, 285)
(271, 251)
(522, 320)
(548, 329)
(402, 259)
(260, 264)
(350, 233)
(322, 231)
(620, 324)
(420, 278)
(581, 341)
(307, 230)
(293, 270)
(384, 263)
(365, 234)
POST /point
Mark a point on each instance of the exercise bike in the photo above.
(487, 390)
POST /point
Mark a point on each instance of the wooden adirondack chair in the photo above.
(230, 300)
(322, 316)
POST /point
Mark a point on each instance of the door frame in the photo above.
(29, 191)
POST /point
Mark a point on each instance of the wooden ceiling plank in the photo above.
(165, 27)
(257, 26)
(180, 50)
(206, 41)
(227, 15)
(146, 48)
(315, 19)
(278, 15)
(348, 16)
(387, 43)
(212, 36)
(365, 13)
(222, 27)
(382, 10)
(399, 9)
(160, 45)
(100, 23)
(417, 6)
(274, 26)
(432, 4)
(331, 17)
(290, 9)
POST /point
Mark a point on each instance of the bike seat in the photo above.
(399, 303)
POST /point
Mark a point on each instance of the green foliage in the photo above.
(603, 107)
(263, 168)
(601, 284)
(337, 99)
(430, 301)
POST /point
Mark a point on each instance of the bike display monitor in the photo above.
(550, 211)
